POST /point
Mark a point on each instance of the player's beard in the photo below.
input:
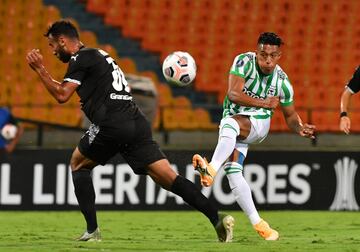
(63, 56)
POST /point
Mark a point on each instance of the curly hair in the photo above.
(62, 27)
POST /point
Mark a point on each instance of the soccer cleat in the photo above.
(94, 236)
(207, 172)
(265, 231)
(224, 228)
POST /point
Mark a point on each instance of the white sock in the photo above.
(241, 191)
(223, 150)
(229, 130)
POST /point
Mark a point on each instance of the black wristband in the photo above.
(342, 114)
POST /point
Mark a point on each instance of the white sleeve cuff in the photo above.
(72, 80)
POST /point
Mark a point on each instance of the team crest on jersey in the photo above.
(271, 91)
(281, 74)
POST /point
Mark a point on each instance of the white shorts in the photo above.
(258, 132)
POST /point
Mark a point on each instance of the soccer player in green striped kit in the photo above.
(257, 85)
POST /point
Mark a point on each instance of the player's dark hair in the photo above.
(62, 27)
(270, 38)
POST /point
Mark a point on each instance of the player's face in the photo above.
(267, 57)
(59, 48)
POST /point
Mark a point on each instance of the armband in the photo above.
(342, 114)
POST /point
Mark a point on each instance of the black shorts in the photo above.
(132, 139)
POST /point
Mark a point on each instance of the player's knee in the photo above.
(241, 159)
(79, 161)
(229, 128)
(231, 169)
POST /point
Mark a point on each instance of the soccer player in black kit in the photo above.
(351, 88)
(118, 126)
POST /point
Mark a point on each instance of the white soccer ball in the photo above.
(179, 68)
(9, 131)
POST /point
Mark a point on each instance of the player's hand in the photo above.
(345, 124)
(35, 59)
(308, 130)
(271, 102)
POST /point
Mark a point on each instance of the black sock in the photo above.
(193, 196)
(85, 194)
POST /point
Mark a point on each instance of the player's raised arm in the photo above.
(236, 95)
(61, 92)
(352, 87)
(345, 122)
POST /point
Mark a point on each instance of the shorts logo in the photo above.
(345, 171)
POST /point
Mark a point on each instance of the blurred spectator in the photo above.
(6, 117)
(144, 92)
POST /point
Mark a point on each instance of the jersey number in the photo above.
(119, 83)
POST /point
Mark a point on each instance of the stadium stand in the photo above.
(31, 101)
(23, 27)
(313, 31)
(216, 37)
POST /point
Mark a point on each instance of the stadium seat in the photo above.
(165, 95)
(355, 121)
(89, 38)
(151, 75)
(186, 118)
(169, 118)
(325, 120)
(157, 120)
(203, 119)
(181, 102)
(110, 50)
(99, 7)
(278, 123)
(127, 65)
(301, 97)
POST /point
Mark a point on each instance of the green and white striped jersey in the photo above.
(258, 85)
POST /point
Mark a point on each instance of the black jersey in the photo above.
(354, 83)
(104, 93)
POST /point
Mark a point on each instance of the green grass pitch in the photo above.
(178, 231)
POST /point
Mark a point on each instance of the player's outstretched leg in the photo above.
(222, 223)
(161, 172)
(229, 130)
(206, 171)
(94, 236)
(242, 193)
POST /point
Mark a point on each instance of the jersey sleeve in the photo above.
(76, 69)
(286, 93)
(354, 83)
(241, 66)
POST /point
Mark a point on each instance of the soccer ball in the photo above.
(179, 68)
(9, 131)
